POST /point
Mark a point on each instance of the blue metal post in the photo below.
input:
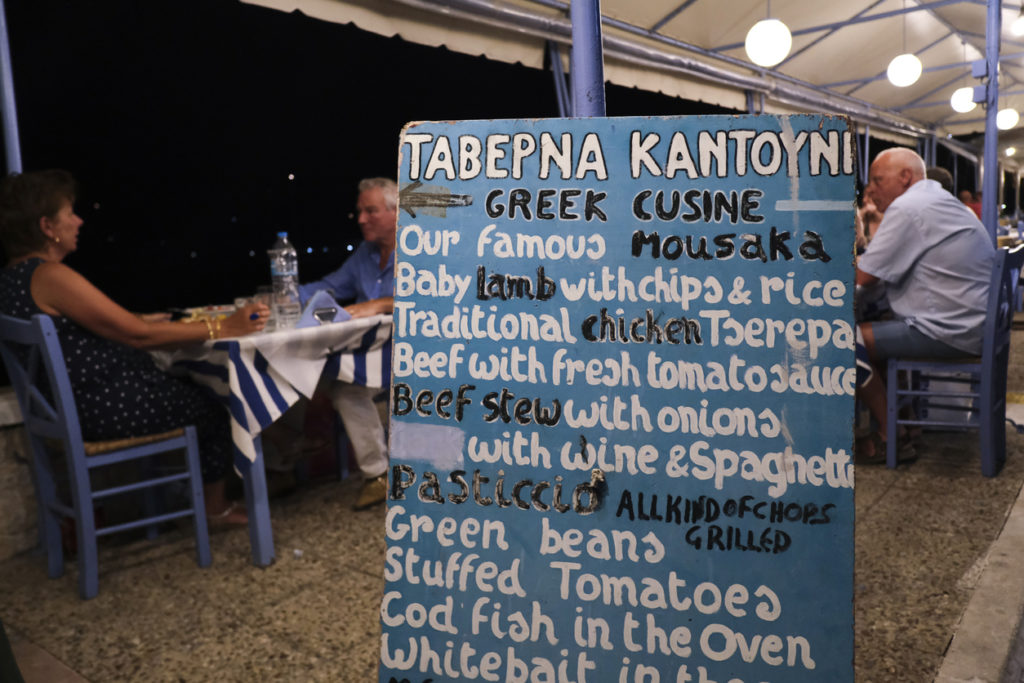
(8, 113)
(865, 163)
(587, 69)
(990, 179)
(561, 92)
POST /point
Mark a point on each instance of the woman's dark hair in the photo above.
(24, 199)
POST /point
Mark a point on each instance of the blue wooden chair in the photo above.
(984, 377)
(32, 354)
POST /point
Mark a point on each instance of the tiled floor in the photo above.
(922, 533)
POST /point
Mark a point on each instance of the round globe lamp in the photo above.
(1007, 118)
(904, 70)
(963, 100)
(768, 42)
(1017, 27)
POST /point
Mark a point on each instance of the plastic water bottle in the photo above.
(284, 276)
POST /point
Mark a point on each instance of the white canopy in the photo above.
(694, 49)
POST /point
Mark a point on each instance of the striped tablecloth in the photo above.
(260, 376)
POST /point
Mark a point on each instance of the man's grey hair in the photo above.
(387, 186)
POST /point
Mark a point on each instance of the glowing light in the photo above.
(904, 70)
(963, 100)
(291, 176)
(1010, 151)
(1017, 27)
(768, 42)
(1007, 118)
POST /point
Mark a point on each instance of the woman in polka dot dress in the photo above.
(118, 389)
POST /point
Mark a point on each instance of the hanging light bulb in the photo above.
(768, 41)
(1017, 27)
(1007, 118)
(963, 100)
(906, 68)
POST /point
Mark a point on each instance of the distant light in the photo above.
(1007, 118)
(1017, 27)
(96, 205)
(348, 247)
(325, 250)
(904, 70)
(252, 253)
(193, 255)
(234, 219)
(291, 176)
(309, 250)
(768, 42)
(963, 100)
(1010, 151)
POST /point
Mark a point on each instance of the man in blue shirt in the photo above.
(368, 276)
(935, 259)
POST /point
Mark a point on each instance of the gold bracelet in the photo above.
(216, 325)
(209, 327)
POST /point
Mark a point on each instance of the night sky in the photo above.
(182, 119)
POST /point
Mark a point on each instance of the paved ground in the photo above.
(922, 541)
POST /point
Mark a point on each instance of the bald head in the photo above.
(892, 172)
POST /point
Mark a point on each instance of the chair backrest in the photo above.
(999, 316)
(35, 363)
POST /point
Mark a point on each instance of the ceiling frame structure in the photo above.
(693, 49)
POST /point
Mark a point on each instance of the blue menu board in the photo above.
(622, 404)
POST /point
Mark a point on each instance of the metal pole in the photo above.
(8, 112)
(587, 69)
(1017, 198)
(956, 181)
(990, 177)
(865, 163)
(561, 92)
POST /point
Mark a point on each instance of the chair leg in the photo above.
(88, 560)
(892, 414)
(260, 533)
(992, 454)
(151, 503)
(203, 557)
(49, 520)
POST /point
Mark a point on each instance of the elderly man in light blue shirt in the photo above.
(367, 276)
(935, 259)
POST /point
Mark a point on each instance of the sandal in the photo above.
(871, 450)
(234, 515)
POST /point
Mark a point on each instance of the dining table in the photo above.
(259, 376)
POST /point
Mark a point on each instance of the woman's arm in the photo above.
(59, 290)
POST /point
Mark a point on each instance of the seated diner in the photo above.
(118, 389)
(935, 259)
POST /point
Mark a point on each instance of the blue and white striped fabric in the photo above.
(260, 376)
